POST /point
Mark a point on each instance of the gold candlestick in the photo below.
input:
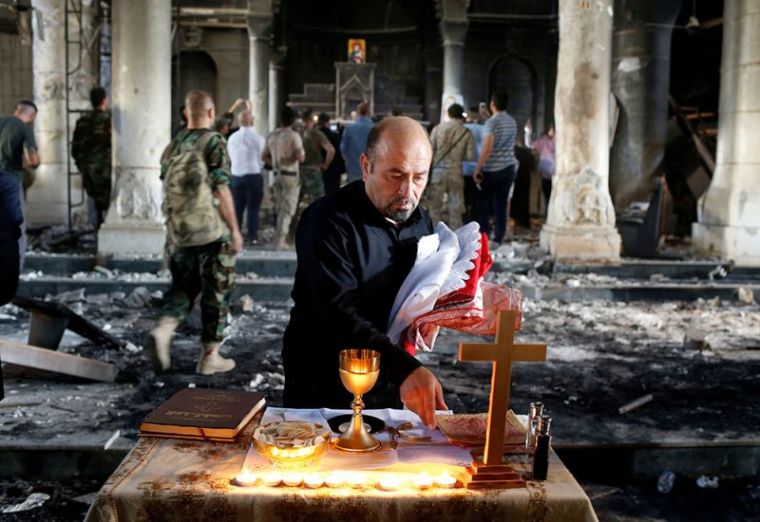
(359, 369)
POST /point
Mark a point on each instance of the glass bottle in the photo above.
(541, 452)
(536, 410)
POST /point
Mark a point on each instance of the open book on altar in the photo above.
(203, 414)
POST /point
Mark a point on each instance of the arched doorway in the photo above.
(195, 70)
(518, 79)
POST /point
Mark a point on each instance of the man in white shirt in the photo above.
(245, 147)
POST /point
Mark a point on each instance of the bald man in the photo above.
(205, 237)
(355, 248)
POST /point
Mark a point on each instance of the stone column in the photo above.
(433, 87)
(581, 221)
(47, 198)
(141, 85)
(640, 79)
(259, 35)
(729, 213)
(454, 32)
(47, 201)
(276, 85)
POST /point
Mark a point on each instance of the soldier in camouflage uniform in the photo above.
(205, 268)
(283, 151)
(452, 143)
(319, 154)
(91, 150)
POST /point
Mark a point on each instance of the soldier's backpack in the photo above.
(190, 208)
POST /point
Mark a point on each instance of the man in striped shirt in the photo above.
(496, 168)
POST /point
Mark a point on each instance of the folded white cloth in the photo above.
(444, 259)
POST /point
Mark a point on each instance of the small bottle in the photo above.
(536, 410)
(541, 452)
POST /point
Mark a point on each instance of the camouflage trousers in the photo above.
(97, 183)
(444, 198)
(208, 271)
(285, 196)
(312, 188)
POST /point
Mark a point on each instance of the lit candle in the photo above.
(423, 481)
(445, 481)
(389, 483)
(245, 478)
(271, 479)
(292, 479)
(313, 480)
(355, 480)
(335, 479)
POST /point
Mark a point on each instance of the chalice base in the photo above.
(357, 440)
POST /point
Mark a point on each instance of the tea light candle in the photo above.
(245, 478)
(271, 479)
(292, 479)
(313, 480)
(335, 479)
(355, 480)
(389, 483)
(445, 481)
(423, 481)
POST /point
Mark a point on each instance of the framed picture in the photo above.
(357, 50)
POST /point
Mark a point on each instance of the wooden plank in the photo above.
(76, 323)
(56, 362)
(702, 150)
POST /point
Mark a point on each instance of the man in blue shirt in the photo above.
(497, 167)
(354, 141)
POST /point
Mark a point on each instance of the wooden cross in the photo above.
(502, 353)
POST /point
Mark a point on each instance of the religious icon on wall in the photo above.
(357, 50)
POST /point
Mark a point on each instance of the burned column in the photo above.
(729, 213)
(141, 127)
(276, 85)
(454, 32)
(48, 197)
(640, 79)
(259, 36)
(581, 222)
(47, 202)
(453, 27)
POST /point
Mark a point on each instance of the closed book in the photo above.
(203, 413)
(185, 437)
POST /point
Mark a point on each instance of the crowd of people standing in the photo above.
(480, 165)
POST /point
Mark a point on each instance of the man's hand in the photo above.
(237, 242)
(478, 177)
(422, 393)
(227, 211)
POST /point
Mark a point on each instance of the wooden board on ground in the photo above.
(73, 321)
(41, 359)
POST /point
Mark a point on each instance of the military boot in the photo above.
(159, 342)
(211, 362)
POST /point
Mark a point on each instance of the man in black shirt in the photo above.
(355, 248)
(336, 168)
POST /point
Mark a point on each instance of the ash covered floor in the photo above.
(602, 355)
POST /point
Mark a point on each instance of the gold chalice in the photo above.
(359, 369)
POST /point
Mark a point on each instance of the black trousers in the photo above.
(546, 188)
(248, 192)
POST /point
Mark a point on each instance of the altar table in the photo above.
(168, 479)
